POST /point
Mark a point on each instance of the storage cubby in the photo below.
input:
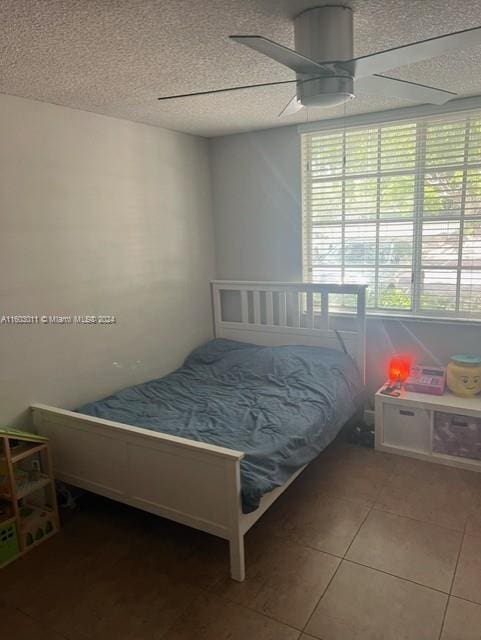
(444, 429)
(407, 427)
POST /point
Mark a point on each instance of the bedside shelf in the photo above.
(425, 426)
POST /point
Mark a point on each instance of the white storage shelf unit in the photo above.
(426, 426)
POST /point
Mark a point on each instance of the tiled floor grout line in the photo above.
(337, 569)
(394, 575)
(343, 558)
(452, 581)
(333, 555)
(402, 515)
(378, 507)
(303, 630)
(357, 532)
(249, 608)
(308, 546)
(458, 557)
(465, 600)
(443, 621)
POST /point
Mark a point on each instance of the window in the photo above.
(397, 206)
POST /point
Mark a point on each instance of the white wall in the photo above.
(98, 216)
(256, 188)
(257, 216)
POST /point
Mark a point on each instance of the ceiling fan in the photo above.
(326, 72)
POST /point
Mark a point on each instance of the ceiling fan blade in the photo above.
(288, 57)
(414, 52)
(293, 106)
(247, 86)
(393, 88)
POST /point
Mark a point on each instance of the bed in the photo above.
(213, 444)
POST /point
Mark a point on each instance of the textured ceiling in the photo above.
(117, 56)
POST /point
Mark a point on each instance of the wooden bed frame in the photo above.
(195, 483)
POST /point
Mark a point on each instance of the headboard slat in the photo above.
(294, 308)
(282, 308)
(310, 309)
(269, 308)
(256, 296)
(244, 306)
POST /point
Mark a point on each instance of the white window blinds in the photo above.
(397, 206)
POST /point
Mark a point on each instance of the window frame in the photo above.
(419, 171)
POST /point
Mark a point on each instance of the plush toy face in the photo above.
(471, 383)
(464, 381)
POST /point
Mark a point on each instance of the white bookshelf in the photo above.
(28, 504)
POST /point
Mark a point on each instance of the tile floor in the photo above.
(363, 546)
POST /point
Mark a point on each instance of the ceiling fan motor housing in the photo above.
(325, 34)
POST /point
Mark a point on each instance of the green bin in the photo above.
(9, 548)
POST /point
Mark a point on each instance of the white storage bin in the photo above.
(407, 427)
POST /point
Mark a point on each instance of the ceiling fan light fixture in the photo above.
(326, 92)
(329, 100)
(325, 34)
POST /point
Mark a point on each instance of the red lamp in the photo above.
(399, 368)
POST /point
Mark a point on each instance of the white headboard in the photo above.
(279, 313)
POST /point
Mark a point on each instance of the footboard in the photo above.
(194, 483)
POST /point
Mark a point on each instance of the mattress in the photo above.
(281, 406)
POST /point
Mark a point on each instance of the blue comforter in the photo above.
(279, 405)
